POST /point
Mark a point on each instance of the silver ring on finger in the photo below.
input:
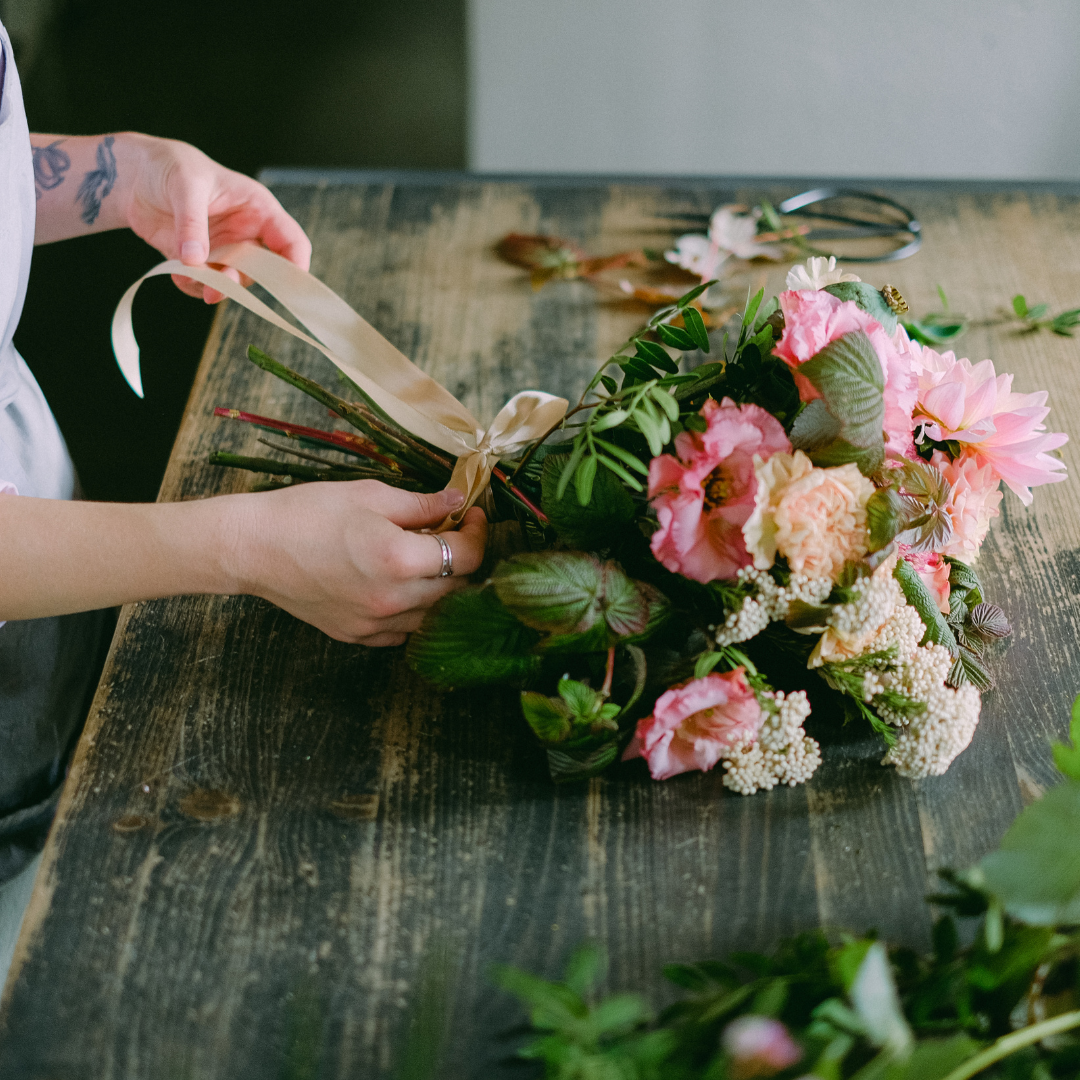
(447, 568)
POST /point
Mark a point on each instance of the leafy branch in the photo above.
(1034, 318)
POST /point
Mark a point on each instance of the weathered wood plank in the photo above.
(265, 832)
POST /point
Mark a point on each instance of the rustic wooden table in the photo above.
(266, 834)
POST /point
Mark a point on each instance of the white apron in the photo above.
(46, 665)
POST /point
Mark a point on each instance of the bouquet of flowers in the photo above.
(728, 530)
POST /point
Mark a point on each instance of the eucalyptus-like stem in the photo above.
(1017, 1040)
(662, 316)
(294, 469)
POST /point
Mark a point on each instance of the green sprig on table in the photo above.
(1006, 1006)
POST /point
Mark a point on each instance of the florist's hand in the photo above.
(184, 204)
(342, 556)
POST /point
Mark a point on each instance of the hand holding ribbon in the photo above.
(412, 399)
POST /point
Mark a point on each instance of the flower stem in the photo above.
(520, 496)
(609, 673)
(1009, 1044)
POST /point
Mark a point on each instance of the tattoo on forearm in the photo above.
(50, 164)
(97, 183)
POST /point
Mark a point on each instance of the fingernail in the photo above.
(454, 498)
(191, 252)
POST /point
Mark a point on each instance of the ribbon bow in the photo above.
(414, 400)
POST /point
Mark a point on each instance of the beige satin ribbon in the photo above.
(414, 400)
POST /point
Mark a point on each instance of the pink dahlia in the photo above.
(814, 319)
(704, 496)
(694, 723)
(970, 404)
(973, 501)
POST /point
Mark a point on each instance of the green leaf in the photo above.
(626, 609)
(590, 527)
(610, 385)
(548, 717)
(1037, 312)
(567, 766)
(570, 467)
(706, 662)
(676, 337)
(649, 426)
(638, 369)
(695, 327)
(1066, 757)
(620, 472)
(637, 656)
(620, 1012)
(1020, 306)
(962, 576)
(609, 419)
(657, 355)
(557, 591)
(585, 968)
(1035, 873)
(623, 455)
(583, 701)
(848, 375)
(846, 959)
(552, 1005)
(884, 513)
(694, 293)
(868, 299)
(752, 308)
(921, 599)
(695, 422)
(470, 639)
(666, 402)
(583, 480)
(931, 1059)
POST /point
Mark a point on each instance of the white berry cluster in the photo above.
(927, 745)
(769, 602)
(782, 753)
(928, 740)
(876, 598)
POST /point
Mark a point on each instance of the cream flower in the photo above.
(815, 518)
(816, 274)
(730, 233)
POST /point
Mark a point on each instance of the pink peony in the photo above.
(8, 488)
(973, 501)
(934, 571)
(758, 1046)
(694, 723)
(814, 319)
(703, 496)
(970, 404)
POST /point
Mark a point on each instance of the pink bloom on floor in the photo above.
(972, 405)
(703, 497)
(814, 319)
(758, 1046)
(693, 724)
(934, 571)
(973, 501)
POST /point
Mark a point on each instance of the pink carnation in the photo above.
(814, 319)
(934, 571)
(970, 404)
(973, 501)
(694, 723)
(759, 1046)
(703, 497)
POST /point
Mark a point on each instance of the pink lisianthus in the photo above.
(704, 496)
(934, 571)
(814, 319)
(973, 501)
(970, 404)
(694, 723)
(758, 1046)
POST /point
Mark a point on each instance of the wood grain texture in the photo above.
(266, 835)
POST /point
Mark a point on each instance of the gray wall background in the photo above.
(811, 88)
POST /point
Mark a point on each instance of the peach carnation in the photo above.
(814, 319)
(703, 496)
(815, 518)
(694, 724)
(973, 501)
(970, 404)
